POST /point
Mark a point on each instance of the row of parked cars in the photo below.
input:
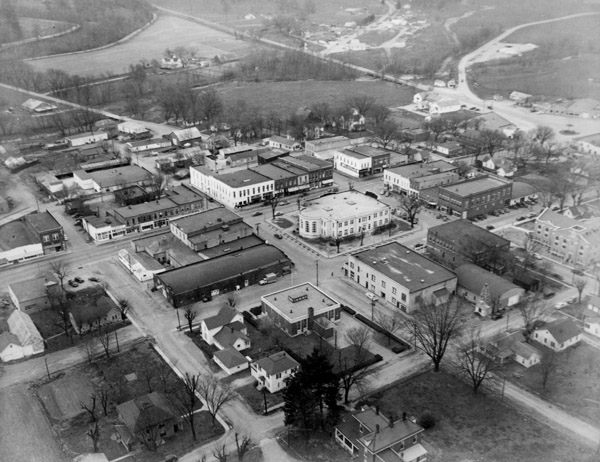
(76, 281)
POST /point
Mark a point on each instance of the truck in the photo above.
(268, 279)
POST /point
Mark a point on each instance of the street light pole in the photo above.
(178, 320)
(372, 309)
(317, 264)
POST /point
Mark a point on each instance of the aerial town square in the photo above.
(291, 230)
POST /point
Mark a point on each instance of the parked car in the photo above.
(278, 235)
(560, 305)
(496, 316)
(72, 283)
(489, 227)
(93, 279)
(521, 218)
(284, 203)
(78, 280)
(257, 214)
(371, 296)
(206, 298)
(278, 214)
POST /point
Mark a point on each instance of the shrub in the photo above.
(427, 420)
(348, 310)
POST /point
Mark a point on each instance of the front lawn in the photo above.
(475, 427)
(256, 399)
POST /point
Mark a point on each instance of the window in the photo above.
(403, 297)
(383, 284)
(55, 236)
(394, 290)
(373, 277)
(46, 238)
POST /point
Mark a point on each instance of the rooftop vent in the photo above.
(422, 280)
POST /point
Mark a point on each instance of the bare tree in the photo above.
(89, 348)
(220, 453)
(385, 133)
(532, 310)
(147, 373)
(61, 306)
(434, 326)
(215, 394)
(547, 367)
(158, 183)
(232, 299)
(104, 394)
(103, 334)
(350, 372)
(90, 408)
(123, 305)
(274, 202)
(389, 323)
(190, 315)
(242, 444)
(362, 103)
(472, 362)
(94, 434)
(61, 270)
(186, 399)
(411, 206)
(580, 284)
(492, 141)
(212, 105)
(543, 134)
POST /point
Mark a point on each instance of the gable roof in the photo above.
(222, 318)
(388, 435)
(524, 350)
(22, 326)
(145, 411)
(186, 134)
(463, 233)
(277, 363)
(557, 219)
(474, 278)
(90, 313)
(227, 336)
(562, 329)
(230, 357)
(6, 339)
(594, 300)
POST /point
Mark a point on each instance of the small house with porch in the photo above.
(558, 335)
(273, 371)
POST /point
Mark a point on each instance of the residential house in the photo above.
(131, 128)
(185, 136)
(448, 148)
(593, 303)
(230, 360)
(591, 325)
(370, 436)
(212, 325)
(86, 318)
(171, 62)
(500, 167)
(444, 106)
(273, 372)
(146, 145)
(473, 197)
(459, 241)
(589, 144)
(582, 212)
(86, 138)
(488, 292)
(37, 106)
(558, 335)
(572, 241)
(22, 340)
(513, 346)
(150, 418)
(519, 97)
(228, 272)
(350, 213)
(412, 178)
(295, 309)
(401, 276)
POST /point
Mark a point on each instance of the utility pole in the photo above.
(47, 369)
(372, 309)
(317, 264)
(178, 320)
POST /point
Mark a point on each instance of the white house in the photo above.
(344, 214)
(23, 340)
(525, 354)
(273, 371)
(558, 335)
(592, 326)
(230, 360)
(232, 189)
(145, 145)
(444, 106)
(171, 62)
(210, 326)
(281, 142)
(232, 336)
(10, 347)
(86, 138)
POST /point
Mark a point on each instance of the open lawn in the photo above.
(256, 399)
(575, 386)
(167, 32)
(286, 97)
(62, 397)
(26, 433)
(476, 427)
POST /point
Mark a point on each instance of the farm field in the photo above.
(286, 97)
(26, 433)
(166, 32)
(476, 427)
(566, 64)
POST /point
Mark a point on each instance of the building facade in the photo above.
(412, 178)
(473, 197)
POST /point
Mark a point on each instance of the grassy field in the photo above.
(575, 386)
(26, 433)
(286, 97)
(166, 32)
(476, 427)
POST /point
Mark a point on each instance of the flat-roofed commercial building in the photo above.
(232, 189)
(295, 309)
(476, 196)
(400, 276)
(230, 272)
(343, 214)
(361, 161)
(410, 179)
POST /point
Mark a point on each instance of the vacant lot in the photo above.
(286, 98)
(62, 397)
(167, 32)
(476, 427)
(574, 386)
(26, 433)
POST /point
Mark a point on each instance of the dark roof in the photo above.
(562, 329)
(273, 172)
(476, 186)
(16, 234)
(409, 268)
(145, 411)
(227, 336)
(230, 357)
(206, 220)
(241, 178)
(463, 233)
(145, 208)
(277, 363)
(6, 338)
(90, 313)
(43, 221)
(183, 194)
(203, 273)
(420, 169)
(222, 318)
(232, 246)
(473, 278)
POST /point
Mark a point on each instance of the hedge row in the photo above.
(381, 330)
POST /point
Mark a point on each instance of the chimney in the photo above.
(376, 429)
(392, 418)
(377, 410)
(404, 417)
